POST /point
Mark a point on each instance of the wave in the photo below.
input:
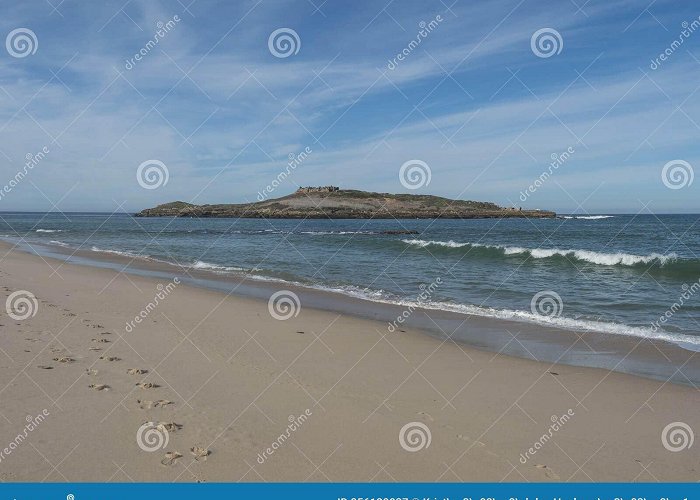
(121, 253)
(558, 321)
(198, 264)
(50, 230)
(449, 244)
(577, 324)
(324, 233)
(582, 325)
(587, 217)
(59, 243)
(590, 256)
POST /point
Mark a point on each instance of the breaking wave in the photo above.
(590, 256)
(198, 264)
(587, 217)
(119, 252)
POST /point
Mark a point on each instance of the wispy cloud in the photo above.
(473, 101)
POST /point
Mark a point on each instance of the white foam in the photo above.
(449, 244)
(599, 258)
(686, 341)
(587, 217)
(682, 340)
(59, 243)
(118, 252)
(213, 267)
(50, 230)
(324, 233)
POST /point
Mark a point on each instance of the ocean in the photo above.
(618, 275)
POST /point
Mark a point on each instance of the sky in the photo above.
(220, 102)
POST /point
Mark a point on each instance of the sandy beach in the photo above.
(242, 396)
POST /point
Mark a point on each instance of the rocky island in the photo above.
(330, 202)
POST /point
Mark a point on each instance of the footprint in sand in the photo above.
(90, 371)
(147, 405)
(165, 426)
(427, 415)
(147, 385)
(99, 387)
(199, 453)
(64, 359)
(171, 457)
(95, 349)
(45, 367)
(110, 358)
(102, 341)
(548, 472)
(136, 371)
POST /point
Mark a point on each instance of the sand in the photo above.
(231, 379)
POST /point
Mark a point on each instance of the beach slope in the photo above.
(231, 393)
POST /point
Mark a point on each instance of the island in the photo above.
(331, 202)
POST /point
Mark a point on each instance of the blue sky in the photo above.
(473, 101)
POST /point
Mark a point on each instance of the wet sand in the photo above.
(320, 396)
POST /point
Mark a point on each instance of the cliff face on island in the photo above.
(330, 202)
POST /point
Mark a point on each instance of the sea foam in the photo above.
(587, 217)
(591, 256)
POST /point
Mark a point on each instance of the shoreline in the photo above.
(232, 376)
(654, 358)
